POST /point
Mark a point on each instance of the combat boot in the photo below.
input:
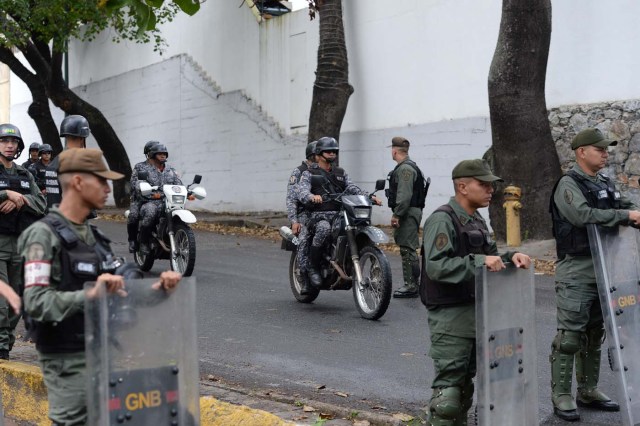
(406, 291)
(304, 285)
(561, 377)
(145, 239)
(588, 373)
(315, 259)
(132, 230)
(445, 407)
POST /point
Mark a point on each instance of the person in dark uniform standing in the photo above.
(61, 252)
(456, 242)
(39, 168)
(582, 196)
(75, 130)
(298, 215)
(136, 202)
(159, 173)
(323, 212)
(21, 203)
(406, 199)
(33, 155)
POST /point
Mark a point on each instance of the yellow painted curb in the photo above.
(25, 398)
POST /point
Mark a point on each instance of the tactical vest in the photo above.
(54, 192)
(472, 238)
(11, 222)
(39, 171)
(334, 184)
(571, 239)
(418, 194)
(81, 263)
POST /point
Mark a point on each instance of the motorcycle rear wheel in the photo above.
(373, 294)
(185, 241)
(295, 279)
(144, 262)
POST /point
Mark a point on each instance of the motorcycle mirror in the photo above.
(143, 175)
(380, 184)
(197, 179)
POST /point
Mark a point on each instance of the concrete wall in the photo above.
(231, 97)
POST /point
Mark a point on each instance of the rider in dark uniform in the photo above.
(136, 201)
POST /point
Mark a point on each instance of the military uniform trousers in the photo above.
(150, 213)
(578, 306)
(321, 224)
(10, 272)
(303, 245)
(406, 237)
(64, 376)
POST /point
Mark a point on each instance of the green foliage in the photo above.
(45, 21)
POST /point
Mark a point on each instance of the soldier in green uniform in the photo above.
(583, 196)
(456, 242)
(61, 252)
(406, 196)
(21, 203)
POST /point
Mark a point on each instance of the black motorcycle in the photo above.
(351, 257)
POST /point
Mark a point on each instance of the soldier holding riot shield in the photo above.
(456, 242)
(581, 197)
(61, 252)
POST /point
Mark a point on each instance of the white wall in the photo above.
(235, 108)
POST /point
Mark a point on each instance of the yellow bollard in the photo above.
(512, 206)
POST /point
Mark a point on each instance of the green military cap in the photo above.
(399, 142)
(591, 137)
(478, 169)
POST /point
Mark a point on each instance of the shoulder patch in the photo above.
(568, 196)
(406, 175)
(292, 180)
(441, 240)
(35, 252)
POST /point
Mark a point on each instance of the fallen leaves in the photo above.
(402, 417)
(342, 394)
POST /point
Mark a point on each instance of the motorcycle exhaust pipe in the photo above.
(339, 270)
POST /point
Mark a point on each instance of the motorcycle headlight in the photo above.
(177, 199)
(362, 212)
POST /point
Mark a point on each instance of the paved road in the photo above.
(253, 333)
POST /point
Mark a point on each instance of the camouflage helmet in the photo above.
(75, 125)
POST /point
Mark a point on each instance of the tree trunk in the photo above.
(331, 89)
(524, 153)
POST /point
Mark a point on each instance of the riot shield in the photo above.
(616, 258)
(142, 363)
(507, 378)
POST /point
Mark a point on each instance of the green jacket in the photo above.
(572, 205)
(39, 245)
(406, 176)
(439, 244)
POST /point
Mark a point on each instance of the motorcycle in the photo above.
(352, 258)
(172, 238)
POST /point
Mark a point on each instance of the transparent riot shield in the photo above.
(142, 362)
(507, 379)
(616, 258)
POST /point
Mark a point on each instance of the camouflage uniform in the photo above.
(136, 200)
(150, 209)
(322, 219)
(296, 213)
(10, 261)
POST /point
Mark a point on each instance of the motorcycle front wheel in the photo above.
(185, 258)
(145, 263)
(373, 294)
(294, 281)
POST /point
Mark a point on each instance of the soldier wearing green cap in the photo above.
(583, 196)
(406, 196)
(456, 242)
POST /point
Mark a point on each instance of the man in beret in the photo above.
(583, 196)
(62, 252)
(406, 196)
(456, 242)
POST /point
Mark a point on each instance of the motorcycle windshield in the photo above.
(355, 200)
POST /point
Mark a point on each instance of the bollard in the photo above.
(512, 206)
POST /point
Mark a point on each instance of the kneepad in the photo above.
(445, 403)
(567, 342)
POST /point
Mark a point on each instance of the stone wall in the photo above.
(619, 120)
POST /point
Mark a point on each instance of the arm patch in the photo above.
(37, 273)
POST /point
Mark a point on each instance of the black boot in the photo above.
(132, 231)
(315, 257)
(145, 240)
(304, 285)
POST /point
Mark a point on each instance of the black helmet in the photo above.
(326, 144)
(158, 149)
(45, 147)
(311, 147)
(12, 131)
(75, 125)
(34, 146)
(148, 145)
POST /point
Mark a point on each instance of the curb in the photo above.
(25, 399)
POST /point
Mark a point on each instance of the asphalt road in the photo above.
(254, 334)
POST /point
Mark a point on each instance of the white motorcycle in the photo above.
(172, 238)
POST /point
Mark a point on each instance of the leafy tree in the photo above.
(331, 90)
(523, 151)
(39, 29)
